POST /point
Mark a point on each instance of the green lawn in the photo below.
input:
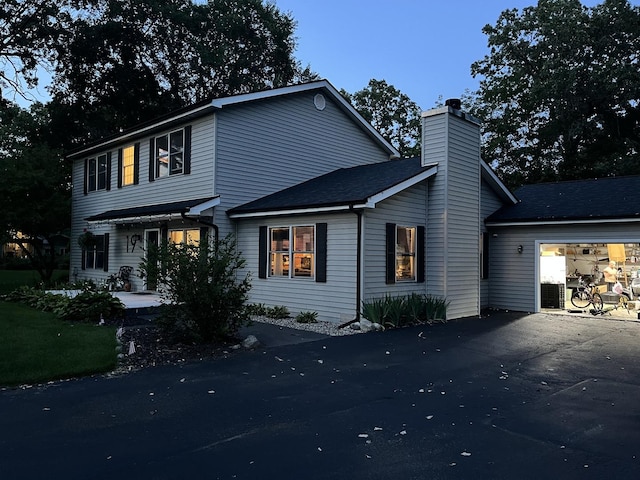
(12, 279)
(37, 347)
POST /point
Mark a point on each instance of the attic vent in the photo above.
(319, 101)
(454, 103)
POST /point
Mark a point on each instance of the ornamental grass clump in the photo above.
(399, 311)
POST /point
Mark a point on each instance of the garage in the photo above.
(596, 278)
(559, 238)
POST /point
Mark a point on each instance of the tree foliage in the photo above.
(391, 112)
(35, 187)
(560, 91)
(28, 28)
(126, 61)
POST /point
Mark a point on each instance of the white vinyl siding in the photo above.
(198, 184)
(490, 203)
(407, 208)
(273, 145)
(335, 299)
(453, 227)
(514, 276)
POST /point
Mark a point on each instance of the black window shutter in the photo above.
(136, 163)
(119, 168)
(108, 170)
(420, 254)
(262, 253)
(391, 254)
(84, 259)
(152, 160)
(321, 252)
(86, 172)
(186, 165)
(106, 252)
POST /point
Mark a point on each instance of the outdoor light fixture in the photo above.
(519, 248)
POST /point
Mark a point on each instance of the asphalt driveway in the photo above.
(506, 396)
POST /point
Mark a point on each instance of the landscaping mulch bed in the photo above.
(152, 348)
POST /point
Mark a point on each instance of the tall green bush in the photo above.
(206, 300)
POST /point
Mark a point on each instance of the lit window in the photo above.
(169, 154)
(128, 155)
(405, 253)
(190, 236)
(282, 251)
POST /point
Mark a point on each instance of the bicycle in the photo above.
(586, 295)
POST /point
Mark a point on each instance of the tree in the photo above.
(127, 61)
(35, 187)
(391, 112)
(27, 30)
(560, 91)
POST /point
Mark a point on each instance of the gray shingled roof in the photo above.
(597, 199)
(345, 186)
(146, 210)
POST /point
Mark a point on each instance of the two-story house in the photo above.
(323, 210)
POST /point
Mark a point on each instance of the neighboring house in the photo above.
(60, 243)
(323, 211)
(558, 232)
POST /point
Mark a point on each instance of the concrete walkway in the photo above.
(503, 397)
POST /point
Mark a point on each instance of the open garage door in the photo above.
(610, 270)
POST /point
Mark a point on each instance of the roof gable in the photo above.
(209, 106)
(355, 186)
(611, 198)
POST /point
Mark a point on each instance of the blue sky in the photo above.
(424, 48)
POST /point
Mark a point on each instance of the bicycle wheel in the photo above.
(580, 299)
(624, 301)
(596, 299)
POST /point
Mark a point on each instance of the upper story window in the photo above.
(170, 154)
(292, 258)
(128, 167)
(97, 173)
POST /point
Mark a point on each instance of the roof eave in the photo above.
(568, 221)
(369, 202)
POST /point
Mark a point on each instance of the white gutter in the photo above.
(294, 211)
(369, 202)
(561, 222)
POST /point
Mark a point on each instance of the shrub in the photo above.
(307, 317)
(257, 310)
(91, 307)
(87, 306)
(206, 300)
(399, 311)
(278, 312)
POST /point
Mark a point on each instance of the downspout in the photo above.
(203, 222)
(358, 213)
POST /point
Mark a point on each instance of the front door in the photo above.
(151, 245)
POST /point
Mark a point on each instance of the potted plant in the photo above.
(87, 240)
(125, 274)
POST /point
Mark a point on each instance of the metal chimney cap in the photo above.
(454, 103)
